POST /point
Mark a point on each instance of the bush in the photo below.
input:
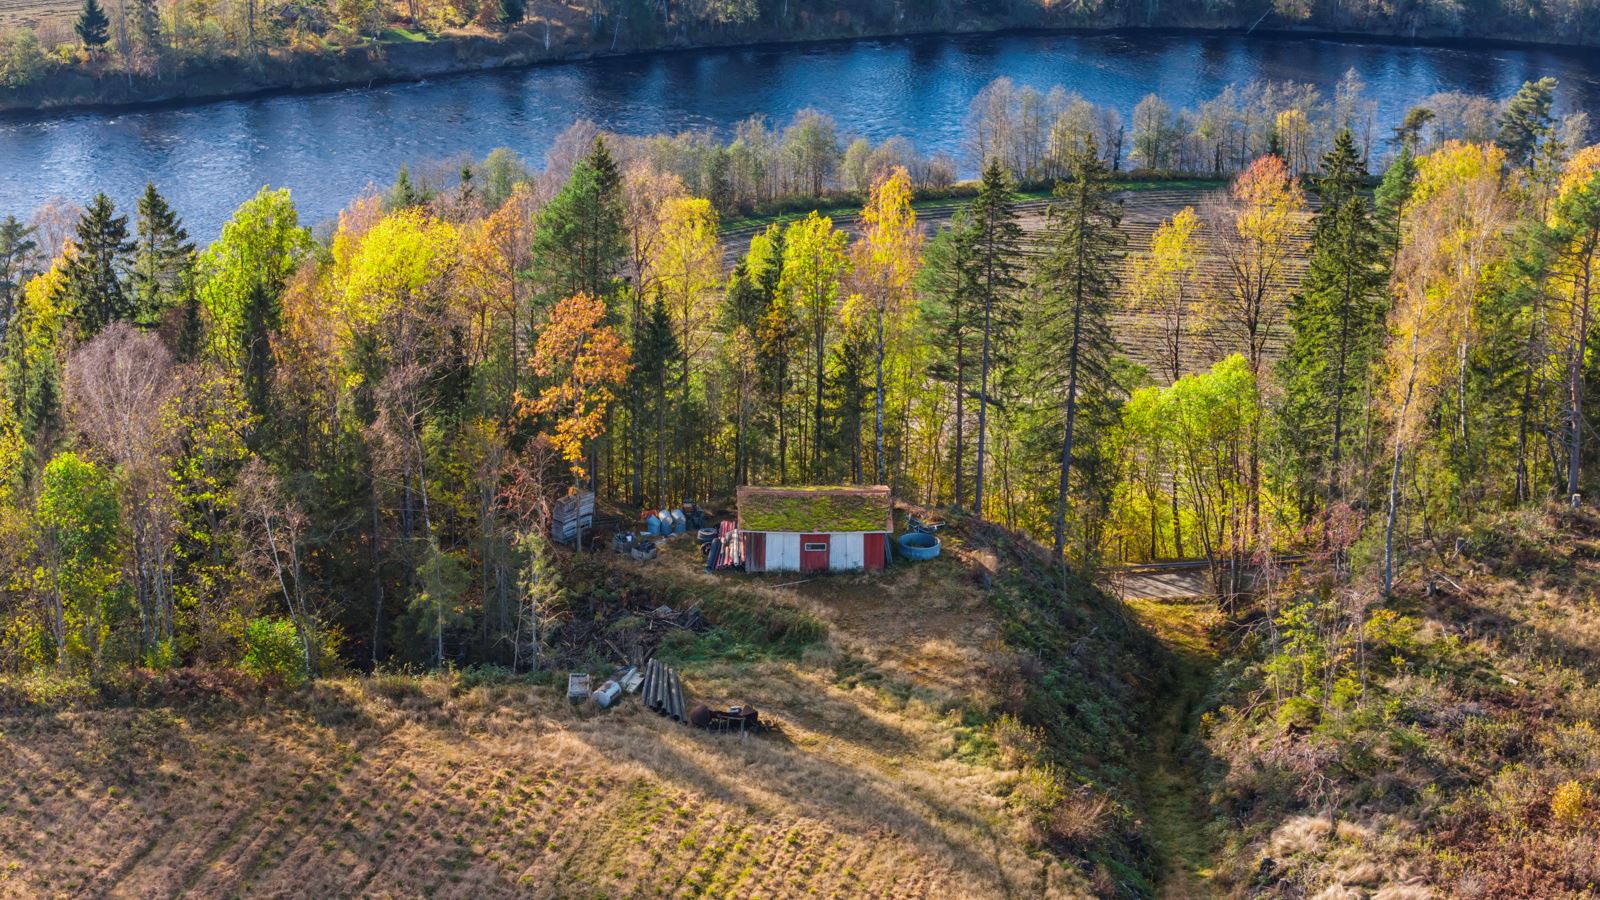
(22, 59)
(1569, 803)
(273, 651)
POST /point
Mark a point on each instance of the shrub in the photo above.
(22, 58)
(1569, 803)
(272, 650)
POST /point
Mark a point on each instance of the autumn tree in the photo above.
(582, 362)
(814, 263)
(687, 271)
(1574, 233)
(885, 261)
(1254, 229)
(1454, 231)
(118, 388)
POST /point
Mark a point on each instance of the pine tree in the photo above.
(16, 247)
(93, 28)
(1336, 322)
(580, 242)
(655, 351)
(1076, 281)
(94, 285)
(1526, 120)
(1390, 201)
(997, 253)
(163, 258)
(946, 285)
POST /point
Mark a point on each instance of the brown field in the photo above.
(52, 17)
(420, 786)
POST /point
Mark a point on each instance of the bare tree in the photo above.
(278, 531)
(118, 389)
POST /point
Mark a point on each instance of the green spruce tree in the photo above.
(16, 249)
(92, 26)
(163, 258)
(1335, 322)
(949, 299)
(997, 261)
(1527, 120)
(580, 242)
(1076, 280)
(94, 274)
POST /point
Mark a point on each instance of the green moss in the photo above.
(814, 510)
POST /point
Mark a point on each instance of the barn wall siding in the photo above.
(783, 552)
(844, 552)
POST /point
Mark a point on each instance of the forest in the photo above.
(1350, 371)
(55, 52)
(346, 445)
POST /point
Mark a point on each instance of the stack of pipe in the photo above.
(663, 692)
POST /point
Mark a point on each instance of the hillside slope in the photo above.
(910, 761)
(1469, 763)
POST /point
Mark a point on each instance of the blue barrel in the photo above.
(652, 525)
(679, 523)
(918, 545)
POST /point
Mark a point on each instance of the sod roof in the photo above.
(812, 510)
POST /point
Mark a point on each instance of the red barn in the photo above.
(815, 529)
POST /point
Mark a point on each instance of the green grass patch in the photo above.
(404, 36)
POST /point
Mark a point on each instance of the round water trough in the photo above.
(917, 545)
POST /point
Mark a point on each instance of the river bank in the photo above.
(396, 61)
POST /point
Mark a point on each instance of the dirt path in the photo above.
(1174, 801)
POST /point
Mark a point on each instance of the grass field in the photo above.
(878, 784)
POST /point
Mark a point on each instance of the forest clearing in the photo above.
(886, 778)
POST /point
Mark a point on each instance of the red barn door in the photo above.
(872, 550)
(813, 553)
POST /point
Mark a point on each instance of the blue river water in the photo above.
(327, 147)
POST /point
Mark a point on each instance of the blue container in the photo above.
(652, 525)
(917, 545)
(679, 524)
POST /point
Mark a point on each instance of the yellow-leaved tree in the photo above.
(885, 259)
(687, 271)
(1574, 229)
(1453, 231)
(1163, 284)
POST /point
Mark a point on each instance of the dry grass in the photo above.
(38, 13)
(405, 786)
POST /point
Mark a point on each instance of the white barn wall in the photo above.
(845, 550)
(783, 552)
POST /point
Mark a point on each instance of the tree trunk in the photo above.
(879, 405)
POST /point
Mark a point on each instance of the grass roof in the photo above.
(815, 509)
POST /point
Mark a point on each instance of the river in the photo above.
(326, 147)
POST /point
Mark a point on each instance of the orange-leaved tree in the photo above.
(582, 361)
